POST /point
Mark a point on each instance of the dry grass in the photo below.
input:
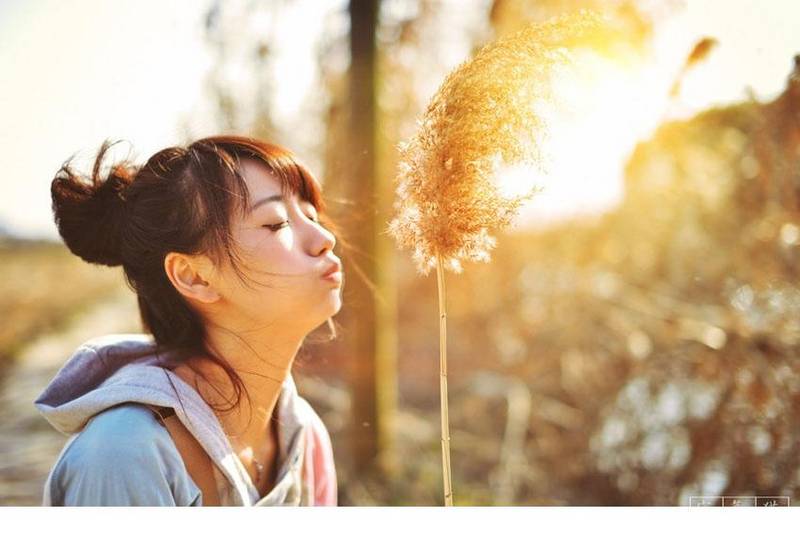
(488, 113)
(43, 285)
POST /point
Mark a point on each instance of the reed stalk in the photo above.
(448, 483)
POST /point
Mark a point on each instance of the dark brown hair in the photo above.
(183, 199)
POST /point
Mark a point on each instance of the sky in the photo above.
(76, 73)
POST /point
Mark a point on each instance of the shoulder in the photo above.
(128, 431)
(123, 456)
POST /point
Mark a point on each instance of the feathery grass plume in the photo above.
(487, 113)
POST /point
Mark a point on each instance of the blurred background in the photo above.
(632, 341)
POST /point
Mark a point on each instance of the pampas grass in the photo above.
(487, 114)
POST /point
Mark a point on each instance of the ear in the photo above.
(187, 275)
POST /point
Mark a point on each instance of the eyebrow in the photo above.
(268, 199)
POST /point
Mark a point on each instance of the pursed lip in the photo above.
(336, 267)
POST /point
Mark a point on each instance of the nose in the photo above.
(326, 240)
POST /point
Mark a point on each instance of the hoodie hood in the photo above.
(113, 369)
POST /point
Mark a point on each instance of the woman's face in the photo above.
(285, 252)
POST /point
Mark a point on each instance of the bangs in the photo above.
(293, 176)
(295, 179)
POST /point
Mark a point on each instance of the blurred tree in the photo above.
(412, 39)
(372, 338)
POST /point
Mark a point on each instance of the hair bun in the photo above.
(91, 216)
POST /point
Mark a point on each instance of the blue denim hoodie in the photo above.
(118, 453)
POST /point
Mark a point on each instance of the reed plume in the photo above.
(489, 112)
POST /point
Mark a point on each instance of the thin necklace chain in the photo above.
(258, 464)
(259, 469)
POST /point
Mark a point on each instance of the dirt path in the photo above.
(28, 444)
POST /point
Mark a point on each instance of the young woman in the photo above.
(229, 251)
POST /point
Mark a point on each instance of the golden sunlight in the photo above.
(601, 112)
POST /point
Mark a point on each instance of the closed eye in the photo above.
(281, 225)
(276, 227)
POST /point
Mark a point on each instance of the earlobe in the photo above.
(187, 279)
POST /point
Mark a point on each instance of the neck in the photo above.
(263, 363)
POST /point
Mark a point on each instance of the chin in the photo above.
(336, 307)
(334, 297)
(333, 310)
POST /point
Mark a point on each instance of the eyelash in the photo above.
(280, 225)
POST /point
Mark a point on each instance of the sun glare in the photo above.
(602, 109)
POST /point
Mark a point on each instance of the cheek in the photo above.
(264, 254)
(270, 259)
(278, 270)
